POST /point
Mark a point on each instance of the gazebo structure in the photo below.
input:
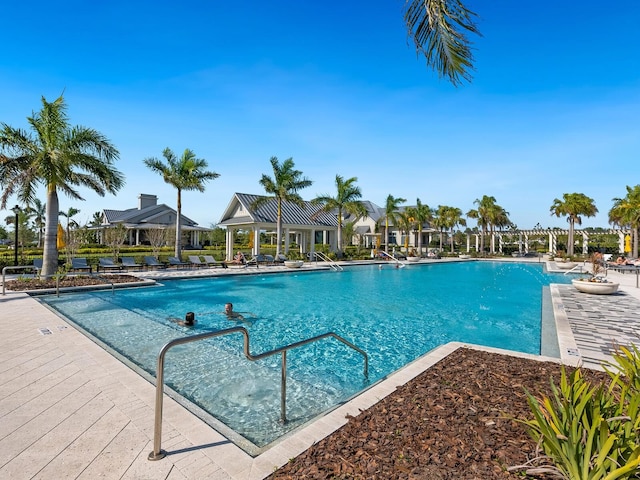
(306, 225)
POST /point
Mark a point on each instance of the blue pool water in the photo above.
(395, 315)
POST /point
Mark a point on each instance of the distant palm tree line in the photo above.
(62, 158)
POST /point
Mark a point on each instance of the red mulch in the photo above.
(21, 284)
(454, 421)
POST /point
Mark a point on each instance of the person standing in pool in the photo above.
(233, 315)
(189, 320)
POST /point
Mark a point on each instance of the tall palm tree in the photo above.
(626, 211)
(421, 214)
(482, 214)
(347, 200)
(390, 215)
(453, 218)
(60, 157)
(38, 209)
(440, 221)
(284, 187)
(184, 173)
(438, 29)
(573, 205)
(405, 225)
(69, 214)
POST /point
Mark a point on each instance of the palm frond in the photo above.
(439, 30)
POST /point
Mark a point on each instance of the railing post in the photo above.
(158, 453)
(283, 388)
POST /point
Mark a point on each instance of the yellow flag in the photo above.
(60, 242)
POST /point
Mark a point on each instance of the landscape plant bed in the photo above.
(26, 284)
(453, 421)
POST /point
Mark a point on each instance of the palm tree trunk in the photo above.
(339, 233)
(279, 228)
(178, 248)
(420, 242)
(570, 239)
(50, 252)
(451, 239)
(386, 235)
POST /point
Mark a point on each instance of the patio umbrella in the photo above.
(60, 242)
(627, 243)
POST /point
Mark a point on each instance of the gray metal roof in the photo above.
(309, 215)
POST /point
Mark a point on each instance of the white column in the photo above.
(620, 241)
(526, 243)
(229, 243)
(468, 243)
(286, 240)
(256, 241)
(312, 242)
(585, 243)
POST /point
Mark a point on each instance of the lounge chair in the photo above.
(196, 262)
(153, 262)
(108, 264)
(176, 262)
(80, 264)
(280, 258)
(130, 262)
(212, 262)
(264, 259)
(37, 265)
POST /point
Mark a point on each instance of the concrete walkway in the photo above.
(68, 409)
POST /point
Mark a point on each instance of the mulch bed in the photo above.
(25, 284)
(453, 421)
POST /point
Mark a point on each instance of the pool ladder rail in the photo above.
(400, 263)
(157, 452)
(325, 258)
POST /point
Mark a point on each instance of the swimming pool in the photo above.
(395, 315)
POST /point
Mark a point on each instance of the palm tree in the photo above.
(405, 225)
(440, 221)
(38, 209)
(573, 205)
(390, 215)
(482, 215)
(69, 214)
(346, 201)
(184, 173)
(453, 218)
(284, 187)
(420, 214)
(438, 29)
(60, 157)
(626, 211)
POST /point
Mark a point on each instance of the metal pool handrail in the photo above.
(18, 267)
(157, 452)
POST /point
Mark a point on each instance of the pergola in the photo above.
(307, 225)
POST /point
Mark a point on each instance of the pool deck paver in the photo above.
(68, 409)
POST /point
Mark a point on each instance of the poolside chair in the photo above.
(263, 259)
(80, 264)
(176, 262)
(130, 262)
(37, 265)
(280, 258)
(108, 264)
(150, 261)
(196, 262)
(212, 262)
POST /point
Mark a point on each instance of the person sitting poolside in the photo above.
(239, 259)
(621, 261)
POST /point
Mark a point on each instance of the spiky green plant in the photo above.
(588, 432)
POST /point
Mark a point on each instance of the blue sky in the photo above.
(554, 106)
